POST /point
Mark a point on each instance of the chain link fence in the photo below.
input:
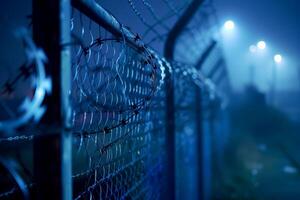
(118, 139)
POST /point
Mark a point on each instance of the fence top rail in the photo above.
(97, 13)
(101, 16)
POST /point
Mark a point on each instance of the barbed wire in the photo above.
(118, 99)
(114, 90)
(31, 107)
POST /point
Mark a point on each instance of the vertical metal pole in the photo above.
(199, 139)
(299, 85)
(199, 122)
(170, 108)
(273, 86)
(53, 150)
(299, 77)
(170, 137)
(215, 68)
(251, 74)
(205, 54)
(212, 132)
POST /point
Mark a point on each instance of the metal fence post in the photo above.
(199, 120)
(205, 54)
(53, 150)
(216, 67)
(169, 49)
(199, 139)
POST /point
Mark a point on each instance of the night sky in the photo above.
(276, 22)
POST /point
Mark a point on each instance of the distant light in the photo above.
(261, 45)
(278, 58)
(252, 48)
(229, 25)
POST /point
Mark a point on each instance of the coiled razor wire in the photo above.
(119, 109)
(190, 46)
(196, 35)
(118, 116)
(29, 85)
(32, 107)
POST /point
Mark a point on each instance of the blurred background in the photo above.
(262, 56)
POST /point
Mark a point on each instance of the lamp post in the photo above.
(229, 25)
(252, 50)
(255, 50)
(299, 77)
(261, 45)
(277, 60)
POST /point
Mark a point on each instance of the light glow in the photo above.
(277, 58)
(229, 25)
(261, 45)
(252, 48)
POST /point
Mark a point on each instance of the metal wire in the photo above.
(118, 99)
(115, 91)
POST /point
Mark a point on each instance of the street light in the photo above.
(261, 45)
(252, 48)
(277, 58)
(229, 25)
